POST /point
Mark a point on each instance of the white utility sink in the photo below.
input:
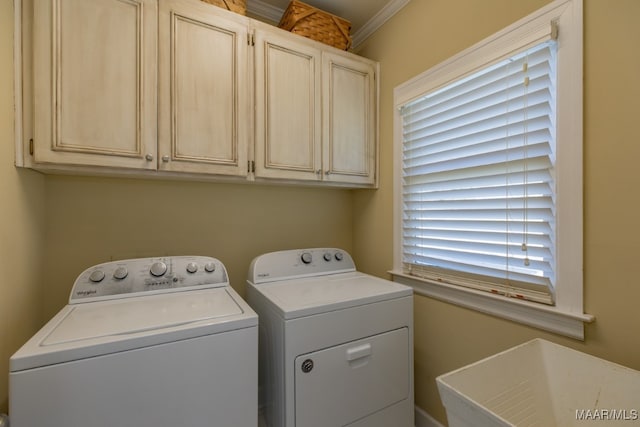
(540, 383)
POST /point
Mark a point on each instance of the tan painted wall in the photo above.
(427, 32)
(21, 223)
(92, 220)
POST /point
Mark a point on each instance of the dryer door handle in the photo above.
(355, 353)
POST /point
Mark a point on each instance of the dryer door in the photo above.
(342, 384)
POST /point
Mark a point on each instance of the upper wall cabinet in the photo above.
(94, 85)
(349, 113)
(315, 112)
(181, 88)
(288, 108)
(203, 90)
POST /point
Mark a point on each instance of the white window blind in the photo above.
(478, 179)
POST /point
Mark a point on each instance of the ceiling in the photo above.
(365, 15)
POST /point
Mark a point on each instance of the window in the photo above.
(478, 188)
(488, 174)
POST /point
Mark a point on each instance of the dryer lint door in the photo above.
(339, 385)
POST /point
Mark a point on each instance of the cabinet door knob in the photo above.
(165, 158)
(327, 172)
(319, 172)
(149, 157)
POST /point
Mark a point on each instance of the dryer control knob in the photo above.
(120, 273)
(327, 256)
(97, 276)
(306, 258)
(192, 267)
(339, 256)
(210, 267)
(307, 366)
(158, 269)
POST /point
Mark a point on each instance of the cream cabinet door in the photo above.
(349, 119)
(288, 108)
(95, 82)
(204, 108)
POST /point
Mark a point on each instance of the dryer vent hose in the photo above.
(4, 420)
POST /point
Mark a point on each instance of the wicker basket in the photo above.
(307, 21)
(237, 6)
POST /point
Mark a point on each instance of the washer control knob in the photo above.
(306, 258)
(120, 273)
(97, 276)
(158, 269)
(339, 256)
(327, 256)
(210, 267)
(192, 267)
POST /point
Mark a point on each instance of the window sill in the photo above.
(540, 316)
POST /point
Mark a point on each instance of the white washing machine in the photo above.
(336, 345)
(155, 342)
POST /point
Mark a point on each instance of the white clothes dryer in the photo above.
(336, 345)
(154, 342)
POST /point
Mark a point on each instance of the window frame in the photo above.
(566, 317)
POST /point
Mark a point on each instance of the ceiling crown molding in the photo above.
(273, 14)
(370, 27)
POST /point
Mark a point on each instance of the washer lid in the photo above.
(97, 328)
(141, 314)
(304, 297)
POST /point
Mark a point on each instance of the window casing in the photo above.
(482, 134)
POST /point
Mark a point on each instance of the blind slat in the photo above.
(511, 172)
(416, 184)
(474, 160)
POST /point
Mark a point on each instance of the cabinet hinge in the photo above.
(251, 40)
(31, 146)
(251, 166)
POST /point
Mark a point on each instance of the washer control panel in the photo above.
(298, 263)
(131, 277)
